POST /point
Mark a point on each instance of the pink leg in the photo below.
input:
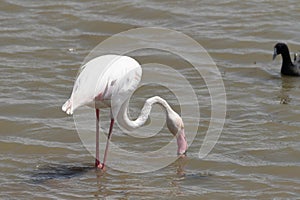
(97, 161)
(107, 142)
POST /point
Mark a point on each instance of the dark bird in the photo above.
(288, 67)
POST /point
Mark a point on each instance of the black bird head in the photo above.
(280, 48)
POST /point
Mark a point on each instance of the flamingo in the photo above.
(106, 78)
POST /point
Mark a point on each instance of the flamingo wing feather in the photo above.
(100, 78)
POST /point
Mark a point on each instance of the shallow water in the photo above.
(43, 45)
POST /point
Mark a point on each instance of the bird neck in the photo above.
(174, 121)
(286, 58)
(145, 112)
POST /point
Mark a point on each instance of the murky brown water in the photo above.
(43, 43)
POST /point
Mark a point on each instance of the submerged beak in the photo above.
(181, 143)
(274, 54)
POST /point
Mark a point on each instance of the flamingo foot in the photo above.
(99, 165)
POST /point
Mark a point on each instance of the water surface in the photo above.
(44, 43)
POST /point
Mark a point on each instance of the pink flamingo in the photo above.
(106, 78)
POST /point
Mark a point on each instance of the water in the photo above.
(43, 45)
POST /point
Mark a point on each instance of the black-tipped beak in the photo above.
(274, 54)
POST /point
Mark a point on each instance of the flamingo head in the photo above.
(181, 143)
(176, 127)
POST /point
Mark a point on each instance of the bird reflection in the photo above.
(288, 85)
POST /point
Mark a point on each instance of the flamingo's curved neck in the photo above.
(174, 121)
(144, 114)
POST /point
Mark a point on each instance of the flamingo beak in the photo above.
(181, 143)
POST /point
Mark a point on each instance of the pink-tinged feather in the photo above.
(67, 107)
